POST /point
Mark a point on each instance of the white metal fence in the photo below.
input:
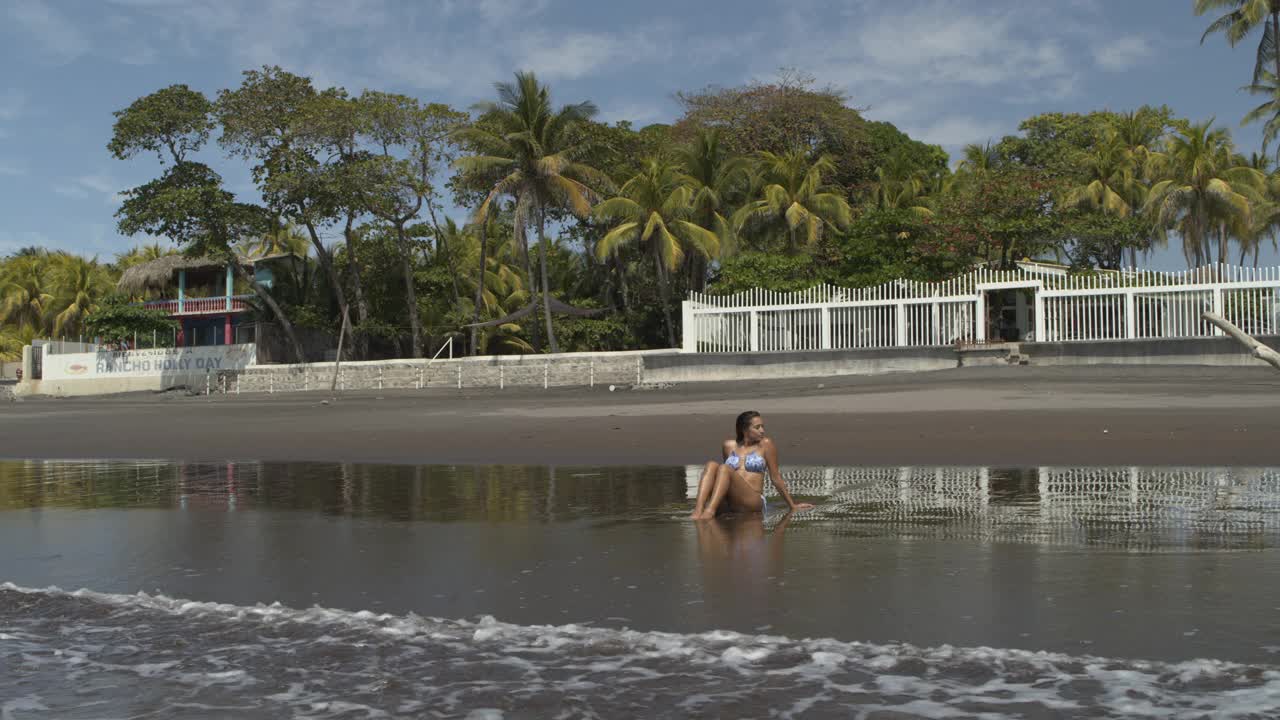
(1105, 305)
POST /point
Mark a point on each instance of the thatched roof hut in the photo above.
(158, 275)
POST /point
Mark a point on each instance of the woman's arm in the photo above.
(727, 447)
(771, 459)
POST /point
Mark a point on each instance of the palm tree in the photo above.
(979, 159)
(80, 283)
(1241, 19)
(656, 208)
(1202, 188)
(717, 179)
(530, 151)
(794, 195)
(26, 291)
(283, 238)
(899, 185)
(141, 254)
(501, 291)
(1110, 185)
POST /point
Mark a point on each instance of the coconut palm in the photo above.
(1202, 189)
(718, 179)
(80, 284)
(1110, 185)
(795, 196)
(27, 291)
(899, 185)
(283, 238)
(655, 208)
(141, 254)
(978, 159)
(1241, 18)
(502, 292)
(530, 151)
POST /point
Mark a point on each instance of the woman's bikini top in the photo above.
(754, 463)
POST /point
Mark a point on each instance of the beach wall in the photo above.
(1217, 351)
(712, 367)
(494, 371)
(106, 372)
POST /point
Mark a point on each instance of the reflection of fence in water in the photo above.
(1132, 507)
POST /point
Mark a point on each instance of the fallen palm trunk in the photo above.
(1257, 349)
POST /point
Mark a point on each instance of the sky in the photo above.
(950, 72)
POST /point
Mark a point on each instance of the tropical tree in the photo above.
(529, 152)
(655, 208)
(1241, 18)
(899, 184)
(1202, 189)
(283, 237)
(795, 196)
(80, 284)
(27, 291)
(718, 179)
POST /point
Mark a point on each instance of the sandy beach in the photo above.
(991, 416)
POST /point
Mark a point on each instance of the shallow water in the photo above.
(344, 591)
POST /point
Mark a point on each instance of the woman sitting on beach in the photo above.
(737, 483)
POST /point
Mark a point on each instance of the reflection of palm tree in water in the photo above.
(741, 564)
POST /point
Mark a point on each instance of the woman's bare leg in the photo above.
(731, 485)
(706, 484)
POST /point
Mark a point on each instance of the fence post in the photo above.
(935, 323)
(502, 376)
(591, 372)
(754, 337)
(826, 327)
(546, 372)
(1130, 315)
(900, 316)
(1041, 322)
(688, 327)
(1217, 307)
(459, 375)
(980, 318)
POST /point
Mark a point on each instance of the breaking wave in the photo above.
(84, 653)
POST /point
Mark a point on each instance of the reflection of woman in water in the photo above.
(737, 483)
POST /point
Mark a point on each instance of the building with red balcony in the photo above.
(207, 297)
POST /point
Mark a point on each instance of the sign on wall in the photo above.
(147, 363)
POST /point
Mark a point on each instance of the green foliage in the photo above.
(1002, 216)
(172, 122)
(771, 271)
(117, 319)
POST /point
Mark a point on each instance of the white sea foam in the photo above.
(323, 662)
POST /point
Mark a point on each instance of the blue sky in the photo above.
(949, 72)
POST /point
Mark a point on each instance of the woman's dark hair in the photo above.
(744, 422)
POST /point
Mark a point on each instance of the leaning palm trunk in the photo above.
(271, 303)
(546, 288)
(410, 292)
(1256, 348)
(475, 316)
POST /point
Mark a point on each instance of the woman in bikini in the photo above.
(737, 483)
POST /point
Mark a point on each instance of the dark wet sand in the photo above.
(981, 416)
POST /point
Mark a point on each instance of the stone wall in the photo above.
(563, 370)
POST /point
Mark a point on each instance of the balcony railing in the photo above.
(202, 306)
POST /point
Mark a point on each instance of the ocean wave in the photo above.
(67, 651)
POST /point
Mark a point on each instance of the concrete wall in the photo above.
(1175, 351)
(700, 367)
(562, 370)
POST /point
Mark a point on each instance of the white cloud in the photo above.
(88, 185)
(56, 36)
(1123, 53)
(958, 131)
(11, 170)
